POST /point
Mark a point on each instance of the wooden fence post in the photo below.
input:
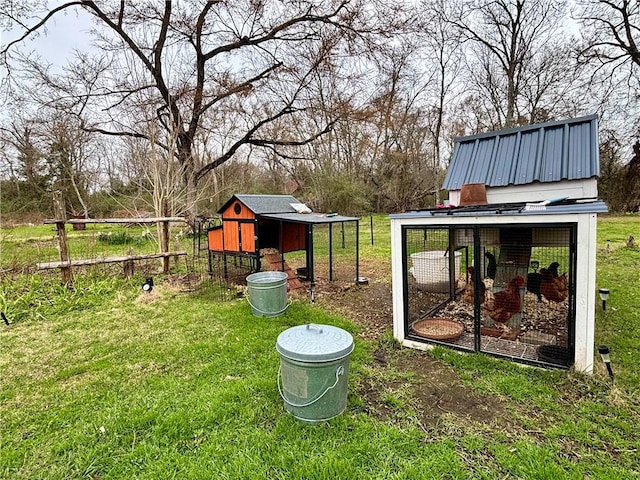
(61, 218)
(128, 266)
(164, 238)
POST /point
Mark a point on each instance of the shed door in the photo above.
(247, 237)
(239, 236)
(231, 236)
(215, 239)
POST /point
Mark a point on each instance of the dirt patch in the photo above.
(367, 305)
(408, 379)
(434, 390)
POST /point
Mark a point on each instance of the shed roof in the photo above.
(262, 204)
(310, 218)
(545, 152)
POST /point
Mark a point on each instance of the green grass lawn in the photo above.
(102, 381)
(618, 269)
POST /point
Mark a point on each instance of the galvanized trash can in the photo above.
(314, 371)
(267, 293)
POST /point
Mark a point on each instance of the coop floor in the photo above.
(498, 346)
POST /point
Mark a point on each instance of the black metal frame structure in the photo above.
(309, 221)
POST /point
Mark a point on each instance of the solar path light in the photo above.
(604, 295)
(603, 350)
(147, 286)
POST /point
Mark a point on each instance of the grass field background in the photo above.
(102, 381)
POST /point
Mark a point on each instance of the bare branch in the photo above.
(123, 134)
(39, 25)
(273, 33)
(241, 87)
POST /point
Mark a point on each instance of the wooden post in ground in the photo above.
(164, 238)
(128, 266)
(63, 247)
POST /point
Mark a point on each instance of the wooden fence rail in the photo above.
(132, 221)
(100, 260)
(66, 263)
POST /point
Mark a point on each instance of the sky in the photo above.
(66, 31)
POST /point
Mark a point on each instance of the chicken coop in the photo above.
(514, 279)
(253, 228)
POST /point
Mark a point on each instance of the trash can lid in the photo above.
(314, 343)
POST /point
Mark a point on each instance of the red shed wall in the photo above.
(294, 237)
(244, 212)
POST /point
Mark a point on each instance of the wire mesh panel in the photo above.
(504, 290)
(432, 271)
(216, 275)
(524, 302)
(334, 252)
(343, 260)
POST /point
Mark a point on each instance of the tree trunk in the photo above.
(185, 158)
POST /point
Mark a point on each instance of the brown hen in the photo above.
(467, 295)
(506, 302)
(554, 288)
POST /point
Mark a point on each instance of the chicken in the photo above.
(554, 288)
(553, 268)
(467, 295)
(491, 265)
(533, 283)
(506, 302)
(534, 280)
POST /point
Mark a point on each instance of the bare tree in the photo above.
(22, 156)
(50, 152)
(443, 52)
(73, 163)
(611, 46)
(234, 66)
(506, 36)
(612, 186)
(552, 86)
(632, 179)
(403, 169)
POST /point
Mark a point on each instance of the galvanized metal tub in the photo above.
(314, 371)
(267, 293)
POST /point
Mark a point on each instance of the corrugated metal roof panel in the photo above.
(552, 162)
(546, 152)
(261, 204)
(478, 170)
(499, 168)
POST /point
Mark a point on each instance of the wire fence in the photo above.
(219, 277)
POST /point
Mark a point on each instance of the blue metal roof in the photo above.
(546, 152)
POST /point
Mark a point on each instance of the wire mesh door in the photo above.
(527, 307)
(433, 270)
(503, 290)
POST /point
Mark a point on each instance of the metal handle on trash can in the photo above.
(268, 313)
(339, 371)
(313, 325)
